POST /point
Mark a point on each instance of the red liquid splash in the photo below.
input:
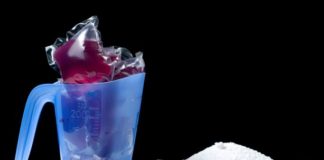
(82, 63)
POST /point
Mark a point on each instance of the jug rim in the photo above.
(100, 83)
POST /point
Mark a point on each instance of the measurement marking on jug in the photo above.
(80, 111)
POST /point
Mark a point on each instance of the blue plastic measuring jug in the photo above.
(96, 121)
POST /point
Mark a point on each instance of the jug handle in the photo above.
(36, 100)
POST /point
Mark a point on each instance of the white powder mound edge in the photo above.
(228, 151)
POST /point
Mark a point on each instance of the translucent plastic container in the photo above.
(96, 121)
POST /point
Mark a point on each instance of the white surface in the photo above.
(228, 151)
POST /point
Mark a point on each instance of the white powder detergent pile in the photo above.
(228, 151)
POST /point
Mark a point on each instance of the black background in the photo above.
(214, 73)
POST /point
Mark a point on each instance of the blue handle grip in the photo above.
(37, 98)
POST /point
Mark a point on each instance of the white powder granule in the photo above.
(228, 151)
